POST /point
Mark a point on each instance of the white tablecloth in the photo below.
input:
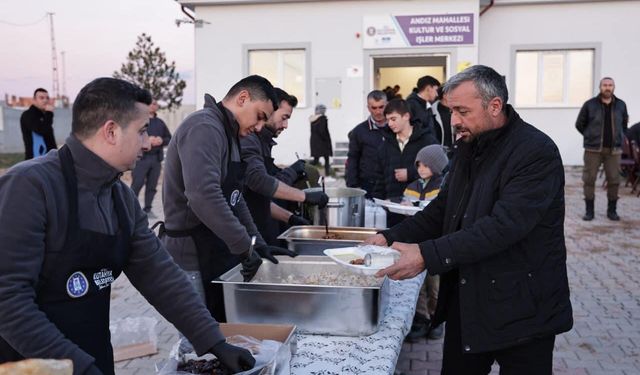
(375, 354)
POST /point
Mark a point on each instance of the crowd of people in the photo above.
(490, 235)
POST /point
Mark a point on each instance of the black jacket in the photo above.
(36, 123)
(158, 128)
(496, 234)
(362, 159)
(442, 124)
(420, 116)
(320, 137)
(590, 123)
(391, 158)
(633, 134)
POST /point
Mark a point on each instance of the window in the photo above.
(285, 68)
(554, 77)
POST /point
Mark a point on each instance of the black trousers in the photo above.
(146, 172)
(532, 358)
(327, 166)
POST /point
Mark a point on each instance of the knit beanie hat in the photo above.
(321, 109)
(434, 157)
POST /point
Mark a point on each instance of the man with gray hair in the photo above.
(495, 236)
(364, 141)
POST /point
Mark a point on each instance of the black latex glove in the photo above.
(250, 266)
(297, 220)
(232, 357)
(268, 252)
(298, 167)
(316, 198)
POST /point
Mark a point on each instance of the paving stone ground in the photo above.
(603, 263)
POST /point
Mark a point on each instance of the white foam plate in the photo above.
(399, 208)
(404, 210)
(343, 255)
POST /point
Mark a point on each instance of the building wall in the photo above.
(612, 25)
(330, 29)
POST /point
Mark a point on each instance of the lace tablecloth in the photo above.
(375, 354)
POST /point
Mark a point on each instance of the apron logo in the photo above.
(103, 278)
(77, 285)
(235, 196)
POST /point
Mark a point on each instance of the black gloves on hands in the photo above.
(316, 198)
(250, 266)
(297, 220)
(268, 252)
(298, 167)
(234, 358)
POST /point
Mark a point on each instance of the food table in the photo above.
(374, 354)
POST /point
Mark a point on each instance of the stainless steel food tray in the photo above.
(318, 309)
(308, 239)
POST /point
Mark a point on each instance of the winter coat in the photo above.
(590, 123)
(420, 191)
(495, 235)
(420, 116)
(320, 137)
(37, 130)
(362, 159)
(391, 158)
(158, 128)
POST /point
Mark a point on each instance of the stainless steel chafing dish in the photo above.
(309, 239)
(286, 294)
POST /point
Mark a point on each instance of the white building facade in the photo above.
(552, 53)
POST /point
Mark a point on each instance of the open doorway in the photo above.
(405, 71)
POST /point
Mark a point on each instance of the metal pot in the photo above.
(345, 208)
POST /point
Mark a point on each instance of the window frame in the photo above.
(304, 46)
(541, 49)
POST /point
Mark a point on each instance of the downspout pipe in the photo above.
(483, 10)
(184, 10)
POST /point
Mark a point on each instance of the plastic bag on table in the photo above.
(272, 357)
(131, 331)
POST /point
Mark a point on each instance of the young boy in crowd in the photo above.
(431, 163)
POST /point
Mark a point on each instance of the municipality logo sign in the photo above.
(77, 285)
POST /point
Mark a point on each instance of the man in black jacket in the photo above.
(36, 124)
(396, 157)
(148, 168)
(494, 235)
(420, 100)
(603, 122)
(364, 141)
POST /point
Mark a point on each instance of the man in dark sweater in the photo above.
(69, 227)
(147, 170)
(36, 124)
(266, 181)
(364, 141)
(495, 235)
